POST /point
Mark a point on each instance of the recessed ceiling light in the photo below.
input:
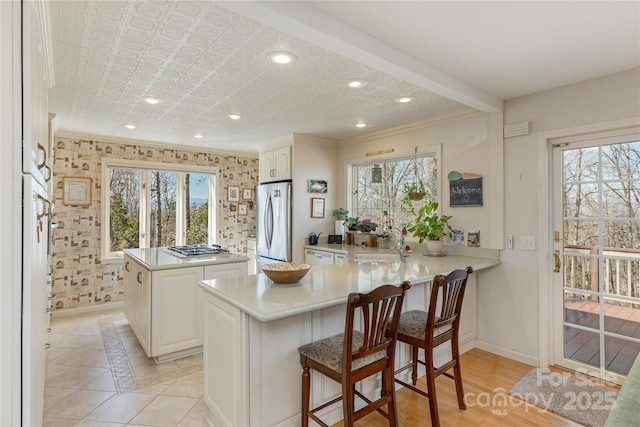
(282, 57)
(152, 101)
(197, 135)
(234, 116)
(357, 84)
(360, 125)
(130, 126)
(404, 99)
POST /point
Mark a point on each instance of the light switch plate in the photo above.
(528, 243)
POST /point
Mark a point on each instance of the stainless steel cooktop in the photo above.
(197, 251)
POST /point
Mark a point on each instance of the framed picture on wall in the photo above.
(242, 209)
(233, 194)
(247, 194)
(317, 207)
(76, 190)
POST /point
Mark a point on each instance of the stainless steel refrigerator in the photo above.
(273, 228)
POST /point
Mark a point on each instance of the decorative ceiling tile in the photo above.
(204, 62)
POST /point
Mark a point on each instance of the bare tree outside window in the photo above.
(381, 202)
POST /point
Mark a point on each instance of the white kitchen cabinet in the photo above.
(176, 314)
(164, 307)
(137, 291)
(339, 258)
(318, 257)
(251, 254)
(275, 165)
(35, 85)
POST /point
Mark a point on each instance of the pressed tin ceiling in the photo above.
(206, 60)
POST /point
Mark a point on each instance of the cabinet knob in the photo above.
(47, 346)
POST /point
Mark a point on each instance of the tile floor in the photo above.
(97, 375)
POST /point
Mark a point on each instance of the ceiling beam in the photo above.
(314, 26)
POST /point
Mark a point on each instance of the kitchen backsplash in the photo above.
(79, 279)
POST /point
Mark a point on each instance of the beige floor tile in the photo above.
(186, 386)
(72, 377)
(151, 387)
(197, 416)
(59, 422)
(103, 383)
(121, 408)
(89, 423)
(79, 404)
(165, 411)
(83, 357)
(54, 395)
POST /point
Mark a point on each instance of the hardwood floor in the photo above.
(97, 375)
(487, 379)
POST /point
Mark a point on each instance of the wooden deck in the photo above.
(583, 346)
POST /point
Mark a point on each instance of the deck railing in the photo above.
(621, 275)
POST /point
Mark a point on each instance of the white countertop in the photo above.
(329, 285)
(160, 259)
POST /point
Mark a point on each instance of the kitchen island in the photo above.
(254, 327)
(162, 300)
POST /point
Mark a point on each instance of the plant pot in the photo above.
(435, 247)
(416, 196)
(339, 226)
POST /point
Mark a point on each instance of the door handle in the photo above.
(126, 266)
(139, 277)
(556, 257)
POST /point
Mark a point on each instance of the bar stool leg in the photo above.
(306, 388)
(414, 368)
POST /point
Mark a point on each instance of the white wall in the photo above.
(313, 158)
(470, 142)
(509, 321)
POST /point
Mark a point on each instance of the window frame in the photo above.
(144, 231)
(406, 154)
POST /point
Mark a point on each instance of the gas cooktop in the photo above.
(197, 251)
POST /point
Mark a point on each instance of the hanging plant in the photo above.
(415, 190)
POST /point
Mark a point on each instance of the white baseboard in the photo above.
(88, 309)
(509, 354)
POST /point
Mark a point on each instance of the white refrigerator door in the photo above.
(35, 299)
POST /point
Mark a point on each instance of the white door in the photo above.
(596, 293)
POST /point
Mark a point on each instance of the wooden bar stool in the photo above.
(428, 330)
(354, 355)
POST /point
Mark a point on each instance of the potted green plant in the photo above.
(431, 226)
(340, 215)
(412, 192)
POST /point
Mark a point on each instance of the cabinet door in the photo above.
(339, 258)
(34, 115)
(282, 163)
(141, 324)
(314, 257)
(220, 271)
(128, 281)
(251, 254)
(176, 316)
(267, 166)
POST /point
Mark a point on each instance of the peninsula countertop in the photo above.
(329, 285)
(159, 259)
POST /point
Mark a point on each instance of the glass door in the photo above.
(596, 242)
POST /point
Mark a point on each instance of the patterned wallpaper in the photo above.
(79, 279)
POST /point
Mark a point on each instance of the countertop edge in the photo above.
(261, 316)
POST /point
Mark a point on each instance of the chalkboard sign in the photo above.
(465, 192)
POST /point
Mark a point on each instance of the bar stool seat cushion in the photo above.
(414, 323)
(328, 352)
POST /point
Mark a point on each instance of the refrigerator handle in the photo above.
(268, 221)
